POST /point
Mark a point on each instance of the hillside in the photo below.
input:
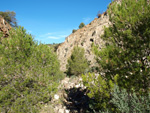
(84, 37)
(56, 78)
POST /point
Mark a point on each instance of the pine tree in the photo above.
(77, 63)
(127, 51)
(81, 25)
(9, 16)
(29, 73)
(125, 61)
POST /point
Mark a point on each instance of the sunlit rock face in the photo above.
(84, 37)
(4, 27)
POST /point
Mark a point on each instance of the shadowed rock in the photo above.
(77, 100)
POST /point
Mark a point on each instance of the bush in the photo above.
(77, 63)
(107, 96)
(81, 25)
(100, 90)
(130, 102)
(28, 75)
(99, 14)
(74, 30)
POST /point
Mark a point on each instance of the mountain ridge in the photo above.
(84, 37)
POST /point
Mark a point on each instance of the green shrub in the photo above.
(81, 25)
(74, 30)
(28, 73)
(130, 102)
(77, 63)
(100, 90)
(108, 97)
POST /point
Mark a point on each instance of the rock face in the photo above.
(84, 37)
(4, 27)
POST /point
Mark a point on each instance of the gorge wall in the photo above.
(4, 27)
(83, 37)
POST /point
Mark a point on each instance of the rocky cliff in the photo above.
(4, 27)
(84, 37)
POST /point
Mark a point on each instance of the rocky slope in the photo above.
(84, 37)
(70, 98)
(4, 27)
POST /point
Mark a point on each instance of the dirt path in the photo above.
(70, 98)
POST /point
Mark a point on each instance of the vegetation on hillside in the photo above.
(74, 30)
(99, 14)
(125, 61)
(10, 17)
(77, 63)
(29, 73)
(81, 25)
(54, 46)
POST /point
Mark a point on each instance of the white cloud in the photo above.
(63, 35)
(87, 20)
(45, 35)
(48, 34)
(55, 35)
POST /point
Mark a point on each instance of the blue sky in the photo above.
(51, 21)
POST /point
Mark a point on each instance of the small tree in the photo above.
(29, 73)
(9, 16)
(74, 30)
(81, 25)
(99, 14)
(77, 63)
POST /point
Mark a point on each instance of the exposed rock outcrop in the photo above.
(4, 27)
(84, 37)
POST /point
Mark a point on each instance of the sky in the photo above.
(51, 21)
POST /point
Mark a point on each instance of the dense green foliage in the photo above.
(77, 63)
(128, 49)
(28, 73)
(81, 25)
(9, 16)
(108, 97)
(99, 89)
(130, 102)
(127, 53)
